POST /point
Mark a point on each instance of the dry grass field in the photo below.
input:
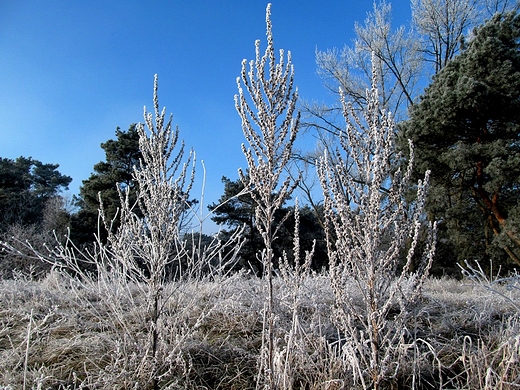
(58, 333)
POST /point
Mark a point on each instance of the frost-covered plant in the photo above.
(294, 277)
(270, 127)
(151, 250)
(147, 262)
(493, 283)
(143, 248)
(369, 224)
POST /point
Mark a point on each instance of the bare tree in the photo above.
(398, 54)
(270, 127)
(436, 35)
(400, 61)
(443, 23)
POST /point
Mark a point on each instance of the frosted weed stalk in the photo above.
(270, 109)
(152, 252)
(148, 250)
(368, 224)
(139, 282)
(294, 356)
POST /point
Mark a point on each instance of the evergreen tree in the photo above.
(466, 130)
(234, 211)
(31, 210)
(26, 186)
(122, 154)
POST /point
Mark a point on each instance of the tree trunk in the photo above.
(493, 208)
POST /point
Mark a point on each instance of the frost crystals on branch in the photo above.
(149, 250)
(270, 130)
(146, 244)
(369, 223)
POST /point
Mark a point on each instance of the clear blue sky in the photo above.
(72, 71)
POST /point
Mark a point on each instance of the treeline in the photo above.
(35, 209)
(464, 128)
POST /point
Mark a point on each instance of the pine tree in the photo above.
(466, 130)
(122, 154)
(26, 185)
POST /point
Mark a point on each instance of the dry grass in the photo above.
(463, 336)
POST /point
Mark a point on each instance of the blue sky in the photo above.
(72, 71)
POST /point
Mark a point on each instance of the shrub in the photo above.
(368, 223)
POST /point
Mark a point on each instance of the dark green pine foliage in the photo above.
(235, 211)
(26, 186)
(466, 129)
(121, 155)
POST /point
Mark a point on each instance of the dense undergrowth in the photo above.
(461, 336)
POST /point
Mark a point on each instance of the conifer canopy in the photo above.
(466, 130)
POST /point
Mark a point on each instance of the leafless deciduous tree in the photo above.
(444, 24)
(435, 35)
(400, 61)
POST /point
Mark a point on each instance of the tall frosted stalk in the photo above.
(270, 126)
(369, 224)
